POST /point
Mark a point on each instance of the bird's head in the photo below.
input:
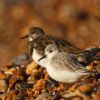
(51, 50)
(34, 33)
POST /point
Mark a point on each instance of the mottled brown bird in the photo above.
(38, 40)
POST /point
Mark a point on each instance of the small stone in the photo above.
(97, 68)
(22, 59)
(30, 68)
(2, 74)
(76, 98)
(85, 89)
(48, 84)
(30, 98)
(20, 97)
(22, 87)
(90, 68)
(44, 96)
(9, 95)
(16, 77)
(34, 76)
(3, 85)
(39, 85)
(96, 96)
(11, 71)
(29, 92)
(73, 87)
(57, 96)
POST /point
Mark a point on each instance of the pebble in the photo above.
(56, 97)
(85, 89)
(2, 74)
(98, 68)
(96, 96)
(44, 96)
(30, 68)
(3, 85)
(11, 95)
(22, 59)
(23, 86)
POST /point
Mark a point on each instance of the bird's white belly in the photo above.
(36, 57)
(63, 76)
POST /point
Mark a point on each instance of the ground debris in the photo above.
(32, 82)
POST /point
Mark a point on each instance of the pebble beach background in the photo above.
(77, 21)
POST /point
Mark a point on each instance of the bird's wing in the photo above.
(30, 48)
(64, 61)
(64, 45)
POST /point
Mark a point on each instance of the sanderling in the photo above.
(63, 66)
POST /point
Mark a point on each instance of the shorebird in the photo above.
(63, 66)
(38, 40)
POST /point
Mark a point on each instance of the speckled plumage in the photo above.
(38, 40)
(63, 66)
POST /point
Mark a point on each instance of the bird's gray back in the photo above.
(64, 61)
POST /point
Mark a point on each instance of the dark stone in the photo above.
(23, 57)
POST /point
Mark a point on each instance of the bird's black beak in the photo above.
(24, 37)
(42, 57)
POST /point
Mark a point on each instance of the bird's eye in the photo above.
(50, 51)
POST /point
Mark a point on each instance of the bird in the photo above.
(63, 66)
(38, 40)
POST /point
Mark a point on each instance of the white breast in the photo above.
(36, 56)
(62, 76)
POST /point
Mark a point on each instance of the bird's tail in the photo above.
(89, 56)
